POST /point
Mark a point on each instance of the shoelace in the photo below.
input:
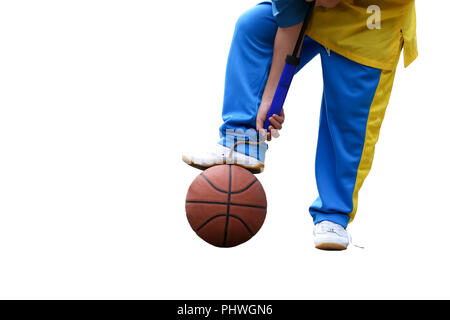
(349, 236)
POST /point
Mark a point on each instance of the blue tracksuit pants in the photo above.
(354, 101)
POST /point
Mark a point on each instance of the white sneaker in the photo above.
(330, 236)
(221, 155)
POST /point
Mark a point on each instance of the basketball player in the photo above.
(359, 43)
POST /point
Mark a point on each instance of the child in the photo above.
(359, 43)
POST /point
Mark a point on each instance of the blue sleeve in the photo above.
(288, 13)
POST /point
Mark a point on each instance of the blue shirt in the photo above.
(289, 13)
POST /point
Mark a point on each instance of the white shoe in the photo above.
(330, 236)
(221, 155)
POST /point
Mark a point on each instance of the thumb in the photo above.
(260, 128)
(259, 123)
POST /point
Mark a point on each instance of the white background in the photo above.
(99, 98)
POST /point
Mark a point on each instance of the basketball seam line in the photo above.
(224, 191)
(243, 222)
(209, 220)
(245, 189)
(223, 215)
(226, 203)
(228, 206)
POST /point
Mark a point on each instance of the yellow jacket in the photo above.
(353, 30)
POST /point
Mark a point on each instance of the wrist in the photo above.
(266, 103)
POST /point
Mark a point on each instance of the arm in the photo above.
(284, 44)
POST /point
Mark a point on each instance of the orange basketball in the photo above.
(226, 205)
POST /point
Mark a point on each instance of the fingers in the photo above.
(282, 114)
(271, 132)
(277, 121)
(260, 128)
(267, 135)
(274, 132)
(275, 124)
(280, 118)
(263, 133)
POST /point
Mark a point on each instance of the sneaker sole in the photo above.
(255, 170)
(328, 246)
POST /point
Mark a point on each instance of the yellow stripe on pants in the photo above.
(376, 116)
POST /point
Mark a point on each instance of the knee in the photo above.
(257, 23)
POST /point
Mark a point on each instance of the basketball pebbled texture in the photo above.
(226, 205)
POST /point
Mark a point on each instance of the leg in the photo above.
(249, 65)
(248, 69)
(354, 102)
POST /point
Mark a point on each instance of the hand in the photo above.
(326, 3)
(275, 120)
